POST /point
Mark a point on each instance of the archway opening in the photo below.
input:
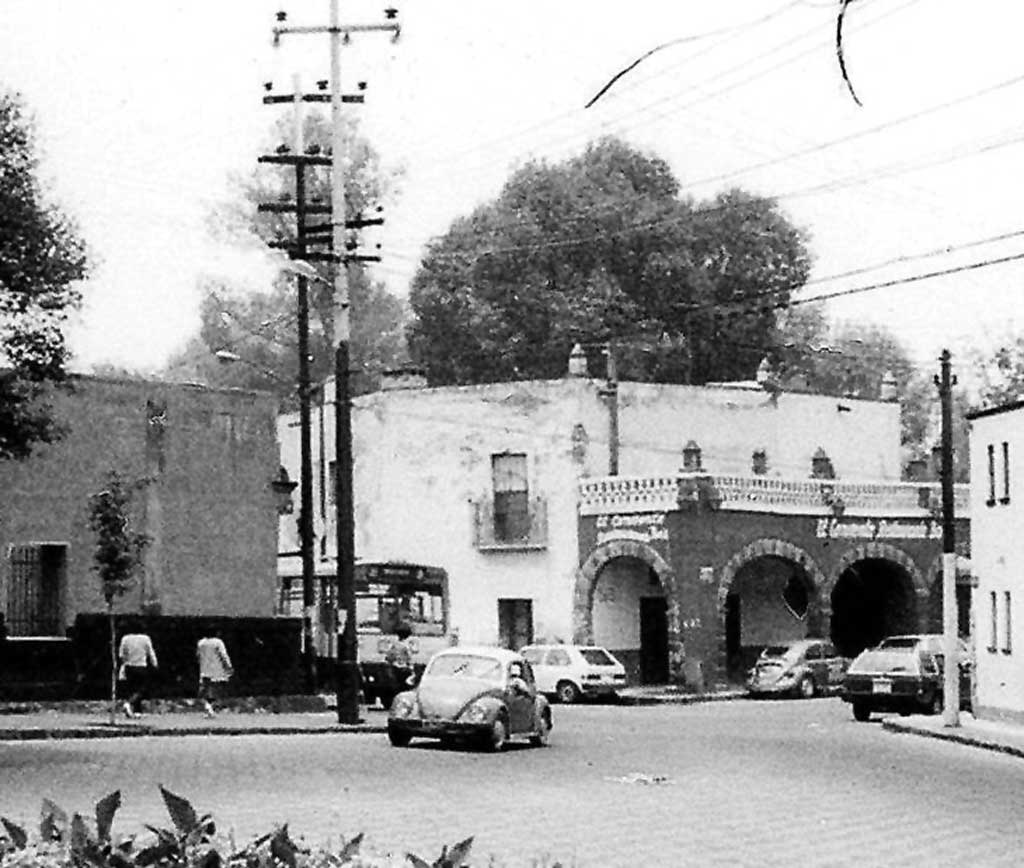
(872, 599)
(630, 618)
(771, 600)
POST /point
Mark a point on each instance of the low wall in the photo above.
(264, 651)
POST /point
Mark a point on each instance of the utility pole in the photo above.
(611, 392)
(951, 666)
(297, 249)
(348, 678)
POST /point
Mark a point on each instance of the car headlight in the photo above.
(404, 705)
(476, 713)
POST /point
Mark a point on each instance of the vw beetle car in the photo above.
(803, 667)
(568, 672)
(482, 695)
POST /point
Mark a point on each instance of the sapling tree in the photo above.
(117, 557)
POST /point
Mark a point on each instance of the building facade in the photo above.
(501, 485)
(997, 509)
(205, 462)
(688, 576)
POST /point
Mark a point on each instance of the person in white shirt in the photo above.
(138, 660)
(214, 669)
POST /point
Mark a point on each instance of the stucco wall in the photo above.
(208, 506)
(423, 456)
(997, 552)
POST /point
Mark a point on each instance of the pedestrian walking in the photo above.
(138, 662)
(399, 662)
(215, 669)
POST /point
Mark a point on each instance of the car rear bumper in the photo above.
(600, 689)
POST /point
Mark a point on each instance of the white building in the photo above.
(997, 552)
(484, 480)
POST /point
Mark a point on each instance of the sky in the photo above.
(146, 112)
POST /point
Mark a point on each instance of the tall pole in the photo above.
(612, 391)
(951, 667)
(305, 424)
(348, 680)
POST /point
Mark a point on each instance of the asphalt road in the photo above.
(741, 783)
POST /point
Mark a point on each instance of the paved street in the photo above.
(745, 783)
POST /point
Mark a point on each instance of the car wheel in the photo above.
(496, 737)
(398, 738)
(543, 733)
(861, 711)
(567, 692)
(806, 687)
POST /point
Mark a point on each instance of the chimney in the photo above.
(577, 362)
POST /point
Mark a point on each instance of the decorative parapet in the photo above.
(833, 497)
(619, 494)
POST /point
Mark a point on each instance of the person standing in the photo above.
(214, 669)
(138, 662)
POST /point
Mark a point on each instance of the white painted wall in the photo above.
(423, 455)
(997, 552)
(620, 585)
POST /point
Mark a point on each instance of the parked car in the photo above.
(481, 695)
(904, 674)
(803, 667)
(568, 672)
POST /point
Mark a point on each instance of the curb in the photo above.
(681, 698)
(107, 731)
(958, 737)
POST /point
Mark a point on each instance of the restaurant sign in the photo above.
(642, 527)
(877, 528)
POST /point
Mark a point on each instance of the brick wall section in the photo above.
(209, 507)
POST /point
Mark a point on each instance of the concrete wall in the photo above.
(996, 556)
(210, 456)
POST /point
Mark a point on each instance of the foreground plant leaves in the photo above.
(454, 858)
(106, 808)
(18, 836)
(182, 814)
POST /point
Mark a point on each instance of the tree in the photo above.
(1000, 372)
(602, 247)
(260, 328)
(41, 260)
(117, 556)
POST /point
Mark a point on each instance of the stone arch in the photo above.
(819, 607)
(768, 547)
(889, 597)
(886, 552)
(586, 582)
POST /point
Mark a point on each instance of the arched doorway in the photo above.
(769, 592)
(771, 600)
(625, 599)
(874, 596)
(630, 618)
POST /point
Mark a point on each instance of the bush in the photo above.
(193, 842)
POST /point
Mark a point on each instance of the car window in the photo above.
(929, 666)
(558, 657)
(828, 650)
(899, 642)
(814, 652)
(886, 661)
(596, 656)
(466, 666)
(532, 655)
(775, 651)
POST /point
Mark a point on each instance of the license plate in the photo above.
(881, 685)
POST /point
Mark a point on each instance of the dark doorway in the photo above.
(873, 598)
(653, 640)
(733, 652)
(515, 623)
(963, 607)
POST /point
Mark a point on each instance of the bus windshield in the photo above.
(388, 595)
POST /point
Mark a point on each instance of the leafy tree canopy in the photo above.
(260, 328)
(1000, 372)
(41, 260)
(599, 247)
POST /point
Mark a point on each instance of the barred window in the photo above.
(35, 590)
(511, 497)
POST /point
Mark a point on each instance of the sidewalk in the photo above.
(35, 721)
(991, 735)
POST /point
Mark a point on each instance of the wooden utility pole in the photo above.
(348, 678)
(950, 620)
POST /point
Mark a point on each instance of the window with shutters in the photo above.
(36, 577)
(511, 497)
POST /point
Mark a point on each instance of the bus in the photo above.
(388, 593)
